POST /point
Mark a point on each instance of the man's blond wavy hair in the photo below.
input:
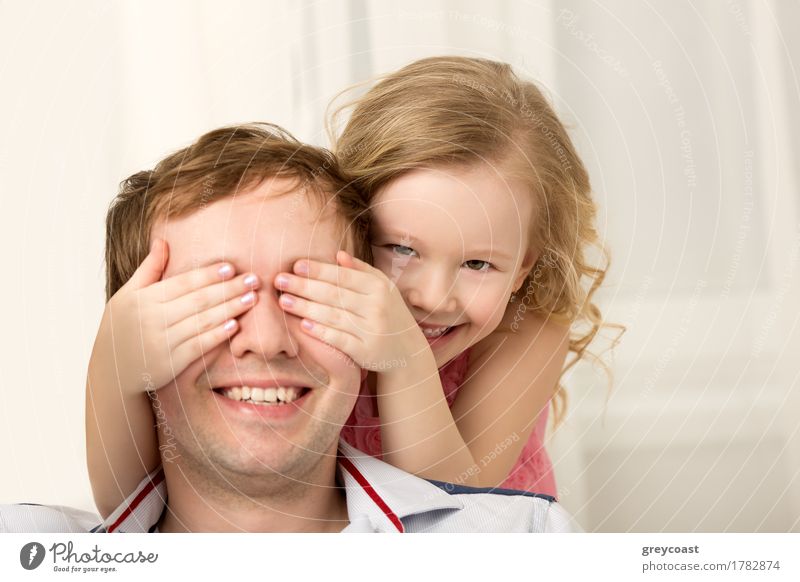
(459, 111)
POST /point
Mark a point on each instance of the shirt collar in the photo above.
(140, 512)
(379, 496)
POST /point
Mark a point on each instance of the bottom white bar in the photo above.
(390, 557)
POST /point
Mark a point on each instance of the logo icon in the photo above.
(31, 555)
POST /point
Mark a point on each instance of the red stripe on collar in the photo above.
(351, 468)
(154, 482)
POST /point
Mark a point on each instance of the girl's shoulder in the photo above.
(519, 330)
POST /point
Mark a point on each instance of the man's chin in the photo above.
(235, 439)
(262, 451)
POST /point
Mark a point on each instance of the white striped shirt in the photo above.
(380, 498)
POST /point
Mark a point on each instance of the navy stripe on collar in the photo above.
(454, 489)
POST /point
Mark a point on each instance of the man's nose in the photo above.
(265, 329)
(432, 290)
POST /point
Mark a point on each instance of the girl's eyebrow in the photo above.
(393, 233)
(494, 254)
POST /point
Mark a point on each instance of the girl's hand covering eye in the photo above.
(154, 328)
(353, 307)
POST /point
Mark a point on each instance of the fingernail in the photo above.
(301, 268)
(250, 280)
(282, 281)
(248, 298)
(286, 300)
(230, 324)
(307, 324)
(225, 270)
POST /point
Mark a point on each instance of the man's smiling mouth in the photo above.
(271, 396)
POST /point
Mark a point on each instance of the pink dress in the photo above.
(533, 470)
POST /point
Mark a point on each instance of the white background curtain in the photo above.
(687, 115)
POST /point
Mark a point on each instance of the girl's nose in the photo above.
(432, 292)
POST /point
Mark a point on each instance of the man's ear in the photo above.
(531, 256)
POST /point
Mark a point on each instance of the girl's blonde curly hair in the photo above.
(457, 110)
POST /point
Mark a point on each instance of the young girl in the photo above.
(481, 215)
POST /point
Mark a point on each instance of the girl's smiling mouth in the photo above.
(434, 332)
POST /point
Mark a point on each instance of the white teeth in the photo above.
(288, 394)
(263, 396)
(434, 332)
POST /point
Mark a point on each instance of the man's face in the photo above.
(264, 232)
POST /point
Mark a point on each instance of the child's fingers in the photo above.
(207, 297)
(340, 340)
(195, 278)
(323, 314)
(197, 345)
(200, 322)
(152, 267)
(347, 260)
(320, 292)
(357, 280)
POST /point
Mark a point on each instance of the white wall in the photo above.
(700, 432)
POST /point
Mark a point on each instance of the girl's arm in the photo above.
(121, 443)
(418, 433)
(511, 377)
(151, 330)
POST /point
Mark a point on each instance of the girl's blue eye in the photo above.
(403, 250)
(476, 265)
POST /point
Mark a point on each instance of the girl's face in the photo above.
(455, 242)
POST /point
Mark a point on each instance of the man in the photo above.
(261, 200)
